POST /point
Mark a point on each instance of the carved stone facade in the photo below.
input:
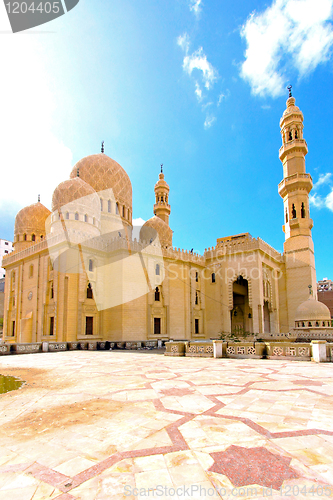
(76, 274)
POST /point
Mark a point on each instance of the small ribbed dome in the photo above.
(312, 310)
(161, 182)
(101, 172)
(153, 226)
(70, 190)
(31, 219)
(291, 108)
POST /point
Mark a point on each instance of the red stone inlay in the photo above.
(176, 392)
(245, 466)
(307, 382)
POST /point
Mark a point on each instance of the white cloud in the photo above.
(210, 120)
(198, 61)
(294, 32)
(184, 42)
(198, 92)
(195, 6)
(329, 201)
(321, 201)
(34, 160)
(323, 179)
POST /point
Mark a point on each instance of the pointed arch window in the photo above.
(89, 291)
(157, 294)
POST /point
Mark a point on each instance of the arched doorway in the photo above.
(241, 317)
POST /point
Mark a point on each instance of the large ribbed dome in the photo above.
(153, 226)
(71, 190)
(101, 172)
(31, 220)
(312, 310)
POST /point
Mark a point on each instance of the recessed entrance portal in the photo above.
(241, 317)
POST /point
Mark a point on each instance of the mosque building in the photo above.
(77, 273)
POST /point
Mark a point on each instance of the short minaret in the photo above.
(162, 208)
(294, 190)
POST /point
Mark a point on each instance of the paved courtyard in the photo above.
(126, 425)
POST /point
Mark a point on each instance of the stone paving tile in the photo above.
(87, 426)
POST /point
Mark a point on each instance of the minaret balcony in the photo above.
(294, 146)
(162, 204)
(295, 182)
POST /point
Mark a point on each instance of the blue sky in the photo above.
(199, 86)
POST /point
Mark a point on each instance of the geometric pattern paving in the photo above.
(103, 425)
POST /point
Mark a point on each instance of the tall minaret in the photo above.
(162, 208)
(294, 190)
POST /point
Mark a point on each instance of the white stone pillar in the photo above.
(318, 348)
(218, 348)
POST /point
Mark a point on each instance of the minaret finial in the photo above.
(161, 168)
(77, 172)
(39, 198)
(102, 148)
(289, 88)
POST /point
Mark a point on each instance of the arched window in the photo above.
(196, 277)
(123, 211)
(101, 204)
(310, 324)
(303, 211)
(196, 298)
(117, 208)
(33, 237)
(86, 218)
(296, 134)
(76, 216)
(293, 211)
(24, 237)
(157, 270)
(213, 278)
(161, 198)
(41, 237)
(67, 215)
(157, 294)
(91, 265)
(290, 136)
(89, 291)
(109, 206)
